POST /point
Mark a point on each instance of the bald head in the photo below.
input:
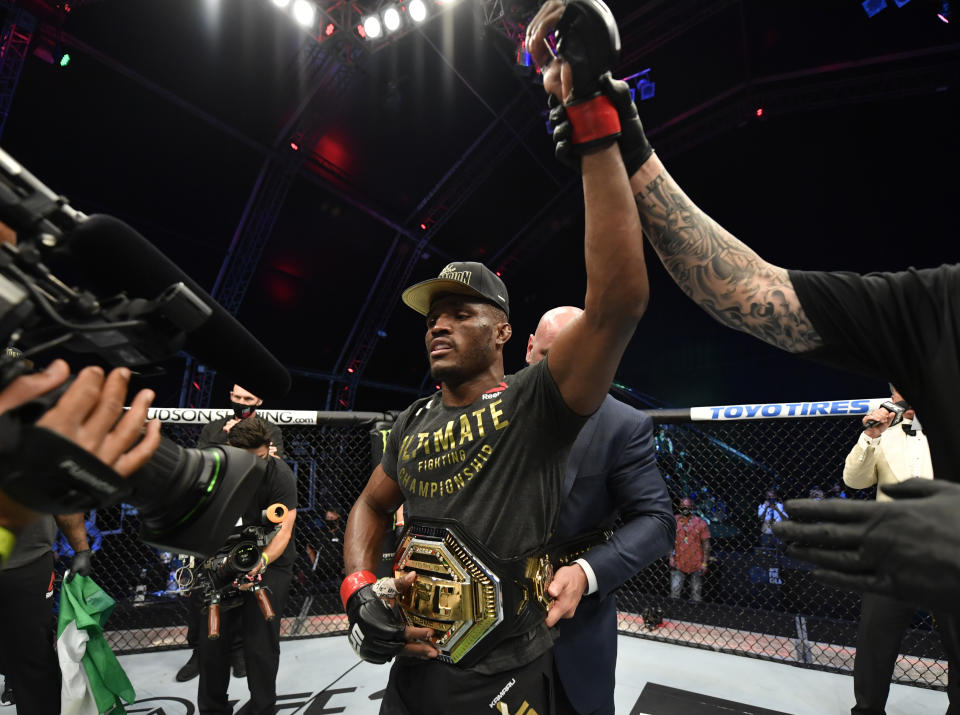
(549, 327)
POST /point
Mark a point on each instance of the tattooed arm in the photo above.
(721, 274)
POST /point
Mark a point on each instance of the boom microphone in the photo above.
(116, 258)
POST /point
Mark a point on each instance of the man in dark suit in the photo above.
(612, 470)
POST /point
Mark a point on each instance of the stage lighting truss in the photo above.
(322, 20)
(371, 25)
(393, 19)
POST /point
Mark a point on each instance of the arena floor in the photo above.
(322, 675)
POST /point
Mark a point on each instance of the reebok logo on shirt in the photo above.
(493, 392)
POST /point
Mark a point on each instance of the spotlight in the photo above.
(647, 89)
(372, 26)
(304, 12)
(872, 7)
(944, 13)
(281, 3)
(418, 10)
(65, 59)
(391, 18)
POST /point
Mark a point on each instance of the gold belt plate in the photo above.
(455, 593)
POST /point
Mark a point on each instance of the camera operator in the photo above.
(26, 597)
(261, 639)
(244, 404)
(86, 414)
(769, 513)
(217, 432)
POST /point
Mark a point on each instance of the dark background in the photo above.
(166, 122)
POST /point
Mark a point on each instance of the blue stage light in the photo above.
(872, 7)
(647, 89)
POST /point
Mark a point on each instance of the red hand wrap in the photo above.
(354, 582)
(593, 119)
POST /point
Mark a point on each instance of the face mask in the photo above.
(242, 412)
(685, 511)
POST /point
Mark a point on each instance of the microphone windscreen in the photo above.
(115, 258)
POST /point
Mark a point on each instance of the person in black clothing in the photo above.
(28, 659)
(846, 320)
(244, 404)
(261, 639)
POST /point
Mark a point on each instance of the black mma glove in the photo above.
(634, 147)
(81, 564)
(376, 629)
(908, 549)
(588, 41)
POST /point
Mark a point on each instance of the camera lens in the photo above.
(243, 557)
(190, 499)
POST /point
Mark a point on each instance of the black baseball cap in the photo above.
(463, 278)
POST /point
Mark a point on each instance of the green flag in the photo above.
(93, 680)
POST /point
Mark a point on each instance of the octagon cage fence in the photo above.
(754, 600)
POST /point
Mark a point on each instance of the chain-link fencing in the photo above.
(752, 599)
(331, 455)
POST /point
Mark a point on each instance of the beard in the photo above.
(469, 365)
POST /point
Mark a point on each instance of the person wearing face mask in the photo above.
(261, 638)
(244, 404)
(690, 552)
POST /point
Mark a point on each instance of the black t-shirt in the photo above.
(898, 327)
(278, 485)
(496, 466)
(213, 434)
(35, 540)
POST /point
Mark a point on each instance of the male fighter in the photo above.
(487, 451)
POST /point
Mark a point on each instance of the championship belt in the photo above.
(469, 596)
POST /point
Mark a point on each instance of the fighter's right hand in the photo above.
(635, 149)
(377, 629)
(588, 45)
(882, 417)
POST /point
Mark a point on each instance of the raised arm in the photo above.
(584, 357)
(720, 273)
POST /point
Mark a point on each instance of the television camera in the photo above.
(222, 578)
(92, 285)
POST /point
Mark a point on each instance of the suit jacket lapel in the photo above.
(579, 451)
